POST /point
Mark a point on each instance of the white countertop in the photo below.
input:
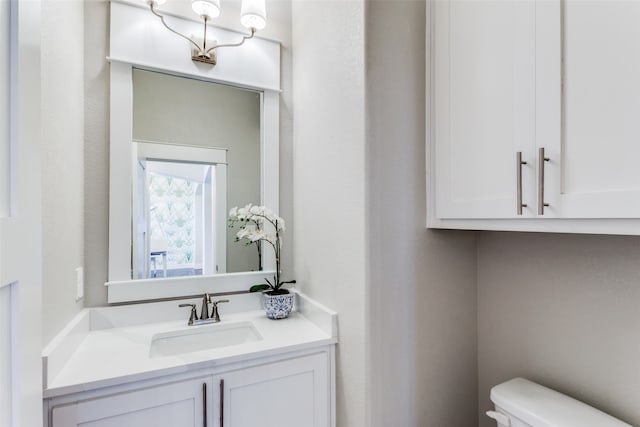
(104, 356)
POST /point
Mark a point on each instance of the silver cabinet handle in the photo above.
(541, 160)
(221, 403)
(519, 164)
(204, 404)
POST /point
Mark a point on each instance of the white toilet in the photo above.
(522, 403)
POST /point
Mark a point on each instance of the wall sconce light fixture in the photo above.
(253, 16)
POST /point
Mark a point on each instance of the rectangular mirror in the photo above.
(184, 150)
(196, 152)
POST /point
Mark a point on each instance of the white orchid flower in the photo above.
(242, 213)
(243, 232)
(256, 235)
(246, 231)
(268, 213)
(256, 210)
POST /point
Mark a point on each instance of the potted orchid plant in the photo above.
(259, 224)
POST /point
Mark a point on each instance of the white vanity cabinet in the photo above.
(291, 390)
(520, 76)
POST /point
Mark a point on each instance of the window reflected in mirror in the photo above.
(177, 222)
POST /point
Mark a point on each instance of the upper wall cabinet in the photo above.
(533, 115)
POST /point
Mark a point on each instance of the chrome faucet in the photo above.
(204, 312)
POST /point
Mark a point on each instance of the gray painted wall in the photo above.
(62, 116)
(562, 310)
(329, 181)
(406, 296)
(96, 151)
(421, 284)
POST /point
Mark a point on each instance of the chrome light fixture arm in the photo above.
(244, 39)
(153, 10)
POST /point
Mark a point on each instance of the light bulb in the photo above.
(253, 14)
(207, 8)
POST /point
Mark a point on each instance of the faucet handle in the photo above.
(214, 309)
(193, 316)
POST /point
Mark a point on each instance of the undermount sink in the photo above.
(204, 337)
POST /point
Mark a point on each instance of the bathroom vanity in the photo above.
(113, 367)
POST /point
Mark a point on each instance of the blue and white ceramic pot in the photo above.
(278, 306)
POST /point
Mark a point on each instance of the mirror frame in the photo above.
(136, 33)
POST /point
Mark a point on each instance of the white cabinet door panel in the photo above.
(483, 105)
(594, 140)
(180, 413)
(292, 393)
(178, 404)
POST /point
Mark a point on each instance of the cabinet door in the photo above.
(179, 404)
(483, 106)
(588, 106)
(292, 393)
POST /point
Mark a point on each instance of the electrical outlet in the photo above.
(79, 283)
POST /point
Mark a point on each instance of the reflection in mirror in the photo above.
(174, 197)
(179, 194)
(197, 150)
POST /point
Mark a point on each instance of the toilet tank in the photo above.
(522, 403)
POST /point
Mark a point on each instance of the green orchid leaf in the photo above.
(259, 288)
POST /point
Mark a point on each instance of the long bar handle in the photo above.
(222, 403)
(541, 160)
(519, 164)
(204, 404)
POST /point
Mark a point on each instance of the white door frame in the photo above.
(21, 216)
